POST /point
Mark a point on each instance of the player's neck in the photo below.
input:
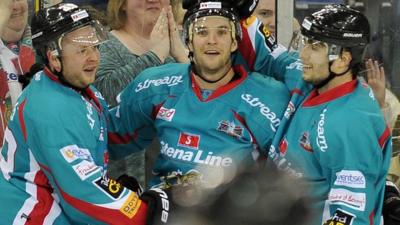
(337, 81)
(223, 77)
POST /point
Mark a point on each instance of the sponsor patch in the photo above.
(265, 111)
(321, 139)
(169, 81)
(73, 152)
(230, 128)
(131, 206)
(109, 186)
(189, 140)
(85, 169)
(350, 199)
(198, 156)
(341, 217)
(350, 178)
(166, 114)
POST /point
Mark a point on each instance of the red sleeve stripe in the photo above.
(106, 215)
(44, 200)
(246, 48)
(244, 123)
(115, 138)
(384, 137)
(296, 91)
(21, 118)
(371, 217)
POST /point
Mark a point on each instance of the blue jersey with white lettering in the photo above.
(338, 142)
(53, 161)
(198, 131)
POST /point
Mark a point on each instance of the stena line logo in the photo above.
(195, 156)
(169, 81)
(264, 110)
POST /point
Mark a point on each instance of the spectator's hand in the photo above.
(5, 12)
(178, 50)
(376, 79)
(160, 36)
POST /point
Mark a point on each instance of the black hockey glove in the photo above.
(159, 206)
(131, 183)
(391, 205)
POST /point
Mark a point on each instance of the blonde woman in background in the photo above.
(136, 42)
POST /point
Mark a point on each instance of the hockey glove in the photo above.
(131, 183)
(391, 205)
(159, 206)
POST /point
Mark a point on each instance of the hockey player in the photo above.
(337, 139)
(54, 158)
(207, 115)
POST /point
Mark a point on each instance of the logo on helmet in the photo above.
(352, 35)
(210, 5)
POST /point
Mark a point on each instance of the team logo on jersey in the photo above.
(189, 140)
(341, 217)
(85, 169)
(109, 186)
(230, 128)
(166, 114)
(305, 141)
(73, 152)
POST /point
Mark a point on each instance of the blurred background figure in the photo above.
(16, 55)
(265, 11)
(136, 43)
(263, 197)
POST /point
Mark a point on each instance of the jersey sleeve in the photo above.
(354, 155)
(131, 121)
(265, 111)
(260, 52)
(68, 164)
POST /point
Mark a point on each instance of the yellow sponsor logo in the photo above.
(131, 206)
(266, 32)
(249, 21)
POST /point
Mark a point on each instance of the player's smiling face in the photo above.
(212, 44)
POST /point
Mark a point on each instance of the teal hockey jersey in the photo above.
(197, 133)
(339, 143)
(54, 158)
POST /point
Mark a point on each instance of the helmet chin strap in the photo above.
(330, 77)
(199, 75)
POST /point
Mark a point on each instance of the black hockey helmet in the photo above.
(337, 24)
(231, 9)
(340, 26)
(51, 24)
